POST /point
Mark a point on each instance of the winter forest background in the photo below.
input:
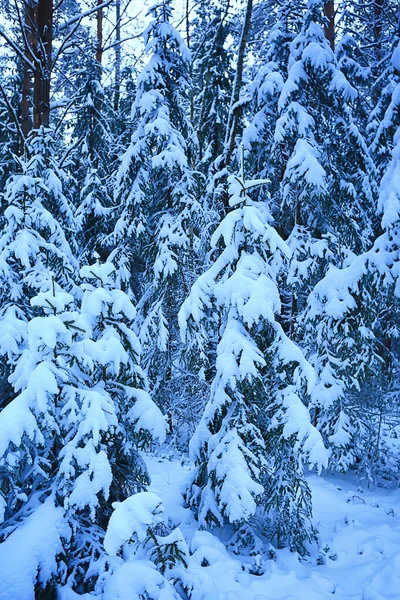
(199, 315)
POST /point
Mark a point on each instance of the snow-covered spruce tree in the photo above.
(298, 110)
(265, 89)
(35, 242)
(229, 158)
(73, 431)
(355, 312)
(354, 62)
(266, 159)
(371, 34)
(160, 220)
(30, 429)
(328, 177)
(327, 180)
(43, 150)
(384, 117)
(255, 432)
(10, 135)
(107, 421)
(157, 145)
(211, 88)
(90, 161)
(328, 190)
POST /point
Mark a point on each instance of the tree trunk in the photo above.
(41, 92)
(377, 28)
(329, 30)
(191, 98)
(117, 81)
(99, 46)
(187, 23)
(26, 122)
(30, 20)
(235, 109)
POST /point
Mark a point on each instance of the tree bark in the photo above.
(117, 69)
(377, 28)
(99, 45)
(235, 109)
(41, 92)
(187, 23)
(329, 30)
(26, 122)
(30, 20)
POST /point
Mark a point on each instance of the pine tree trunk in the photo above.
(41, 91)
(117, 75)
(26, 123)
(30, 19)
(191, 98)
(235, 110)
(329, 10)
(187, 23)
(377, 28)
(99, 45)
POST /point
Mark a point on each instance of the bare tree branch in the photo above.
(12, 112)
(81, 16)
(16, 49)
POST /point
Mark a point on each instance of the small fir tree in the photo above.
(36, 241)
(255, 411)
(157, 202)
(80, 416)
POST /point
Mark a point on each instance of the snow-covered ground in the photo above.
(360, 543)
(359, 556)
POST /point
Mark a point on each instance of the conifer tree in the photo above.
(211, 87)
(355, 313)
(90, 161)
(81, 413)
(11, 131)
(326, 196)
(323, 186)
(315, 131)
(372, 33)
(265, 90)
(255, 427)
(158, 212)
(107, 419)
(146, 561)
(384, 116)
(33, 242)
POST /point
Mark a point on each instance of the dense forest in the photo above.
(199, 262)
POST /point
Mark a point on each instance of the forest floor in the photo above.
(359, 545)
(358, 557)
